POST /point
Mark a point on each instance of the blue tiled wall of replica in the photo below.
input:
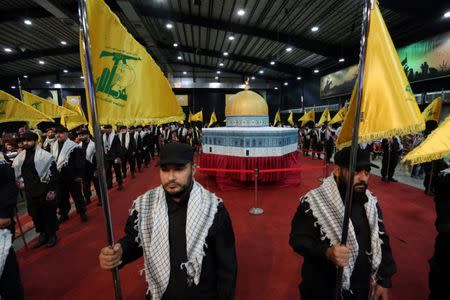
(256, 140)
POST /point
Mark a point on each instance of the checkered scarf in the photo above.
(327, 207)
(5, 245)
(152, 225)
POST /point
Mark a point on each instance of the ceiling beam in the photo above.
(262, 63)
(224, 70)
(297, 41)
(10, 58)
(18, 15)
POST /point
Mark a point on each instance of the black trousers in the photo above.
(88, 179)
(139, 159)
(306, 147)
(146, 156)
(10, 283)
(43, 213)
(439, 266)
(329, 150)
(392, 162)
(131, 160)
(72, 188)
(108, 165)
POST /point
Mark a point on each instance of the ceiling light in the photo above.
(447, 14)
(221, 64)
(253, 77)
(316, 71)
(276, 88)
(47, 82)
(27, 22)
(63, 43)
(57, 86)
(218, 72)
(288, 49)
(272, 62)
(65, 71)
(7, 50)
(225, 53)
(299, 78)
(216, 78)
(13, 87)
(184, 72)
(261, 71)
(82, 77)
(285, 83)
(231, 38)
(175, 44)
(314, 28)
(341, 59)
(41, 62)
(169, 26)
(25, 76)
(179, 58)
(241, 12)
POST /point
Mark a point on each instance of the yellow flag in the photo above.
(190, 116)
(198, 117)
(14, 110)
(340, 116)
(291, 119)
(325, 116)
(213, 119)
(46, 106)
(435, 146)
(308, 116)
(277, 118)
(433, 110)
(130, 87)
(388, 105)
(71, 122)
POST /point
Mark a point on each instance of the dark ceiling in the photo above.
(202, 30)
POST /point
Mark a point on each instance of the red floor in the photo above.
(268, 268)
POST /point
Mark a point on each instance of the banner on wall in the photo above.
(426, 59)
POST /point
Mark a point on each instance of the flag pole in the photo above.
(97, 135)
(354, 148)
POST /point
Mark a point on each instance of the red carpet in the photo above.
(268, 268)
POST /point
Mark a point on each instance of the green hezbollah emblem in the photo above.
(114, 81)
(2, 109)
(36, 105)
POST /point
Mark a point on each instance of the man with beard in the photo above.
(35, 170)
(184, 233)
(70, 165)
(90, 166)
(317, 228)
(49, 140)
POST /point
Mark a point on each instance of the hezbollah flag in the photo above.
(14, 110)
(388, 104)
(435, 146)
(309, 116)
(130, 88)
(433, 110)
(71, 122)
(325, 116)
(198, 117)
(291, 119)
(340, 116)
(213, 119)
(277, 118)
(46, 106)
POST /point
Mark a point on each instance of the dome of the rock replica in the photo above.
(247, 108)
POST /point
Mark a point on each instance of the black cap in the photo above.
(61, 129)
(29, 136)
(107, 126)
(342, 158)
(176, 154)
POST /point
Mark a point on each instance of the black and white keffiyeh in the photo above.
(152, 225)
(42, 162)
(90, 150)
(127, 139)
(5, 245)
(62, 159)
(327, 207)
(108, 140)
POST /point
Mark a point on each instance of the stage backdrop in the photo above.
(423, 60)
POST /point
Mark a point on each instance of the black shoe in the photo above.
(41, 242)
(52, 241)
(63, 218)
(120, 187)
(84, 217)
(384, 179)
(393, 180)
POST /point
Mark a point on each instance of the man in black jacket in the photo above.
(138, 137)
(113, 152)
(189, 247)
(10, 282)
(392, 148)
(128, 145)
(35, 169)
(316, 232)
(70, 165)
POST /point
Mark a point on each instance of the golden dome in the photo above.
(246, 103)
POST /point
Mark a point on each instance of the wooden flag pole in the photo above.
(355, 145)
(97, 135)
